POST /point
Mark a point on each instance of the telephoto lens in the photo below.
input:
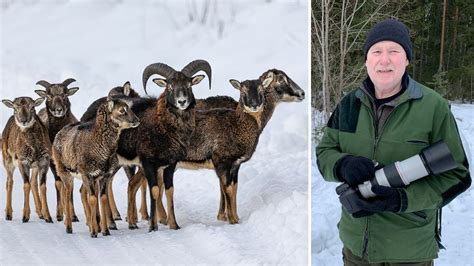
(433, 160)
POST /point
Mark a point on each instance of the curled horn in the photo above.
(156, 68)
(68, 81)
(196, 66)
(43, 83)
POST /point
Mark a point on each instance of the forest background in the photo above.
(441, 34)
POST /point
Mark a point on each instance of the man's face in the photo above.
(386, 63)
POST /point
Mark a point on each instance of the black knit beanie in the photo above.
(389, 30)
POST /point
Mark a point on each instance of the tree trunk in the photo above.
(440, 68)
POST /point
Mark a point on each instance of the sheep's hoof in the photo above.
(132, 226)
(118, 218)
(59, 218)
(75, 219)
(94, 235)
(153, 228)
(113, 226)
(48, 220)
(175, 227)
(222, 217)
(69, 230)
(25, 219)
(8, 217)
(106, 233)
(40, 216)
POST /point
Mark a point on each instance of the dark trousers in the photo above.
(353, 260)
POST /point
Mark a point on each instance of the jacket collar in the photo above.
(413, 91)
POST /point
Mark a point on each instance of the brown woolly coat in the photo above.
(88, 148)
(30, 145)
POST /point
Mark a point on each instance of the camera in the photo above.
(433, 160)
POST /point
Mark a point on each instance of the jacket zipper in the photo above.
(366, 232)
(376, 140)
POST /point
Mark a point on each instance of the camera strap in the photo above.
(439, 213)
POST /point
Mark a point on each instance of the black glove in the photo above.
(354, 170)
(387, 199)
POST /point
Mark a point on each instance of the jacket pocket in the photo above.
(419, 216)
(418, 141)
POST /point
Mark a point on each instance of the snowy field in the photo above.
(104, 43)
(458, 216)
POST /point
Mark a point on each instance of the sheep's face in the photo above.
(251, 94)
(24, 110)
(179, 93)
(57, 99)
(285, 87)
(121, 114)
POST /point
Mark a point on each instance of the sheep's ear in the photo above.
(8, 103)
(110, 105)
(126, 88)
(42, 94)
(197, 79)
(160, 82)
(38, 102)
(268, 80)
(235, 83)
(71, 91)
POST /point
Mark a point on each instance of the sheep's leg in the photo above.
(85, 203)
(229, 191)
(108, 211)
(162, 217)
(97, 209)
(90, 184)
(66, 200)
(110, 195)
(151, 176)
(221, 215)
(143, 207)
(130, 172)
(115, 213)
(43, 170)
(73, 211)
(234, 175)
(10, 168)
(104, 205)
(133, 185)
(223, 171)
(59, 188)
(168, 180)
(25, 172)
(34, 189)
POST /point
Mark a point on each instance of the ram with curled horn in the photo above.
(177, 79)
(55, 116)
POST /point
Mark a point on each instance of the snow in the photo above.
(458, 217)
(104, 43)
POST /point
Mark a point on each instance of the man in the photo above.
(390, 118)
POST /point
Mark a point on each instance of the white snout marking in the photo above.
(24, 126)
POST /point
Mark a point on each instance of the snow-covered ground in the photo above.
(104, 43)
(458, 216)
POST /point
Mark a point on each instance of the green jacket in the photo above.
(418, 118)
